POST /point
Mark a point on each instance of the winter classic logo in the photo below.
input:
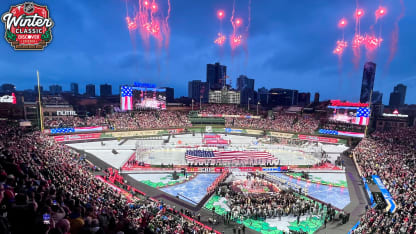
(27, 26)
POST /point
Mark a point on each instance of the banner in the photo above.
(254, 132)
(275, 169)
(367, 189)
(131, 134)
(341, 133)
(229, 116)
(233, 130)
(281, 134)
(386, 194)
(318, 139)
(77, 137)
(77, 129)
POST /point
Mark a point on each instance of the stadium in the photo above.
(153, 170)
(207, 117)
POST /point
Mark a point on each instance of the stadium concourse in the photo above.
(153, 172)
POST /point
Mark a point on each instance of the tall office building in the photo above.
(304, 99)
(90, 90)
(105, 90)
(246, 87)
(198, 90)
(263, 96)
(398, 96)
(283, 97)
(377, 97)
(368, 82)
(170, 94)
(8, 88)
(316, 98)
(224, 96)
(36, 89)
(74, 88)
(55, 89)
(216, 76)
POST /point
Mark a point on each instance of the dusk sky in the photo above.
(290, 45)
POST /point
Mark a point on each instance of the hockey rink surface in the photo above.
(157, 152)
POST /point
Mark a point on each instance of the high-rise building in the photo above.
(304, 99)
(224, 96)
(263, 96)
(8, 88)
(398, 96)
(377, 97)
(198, 90)
(246, 87)
(316, 98)
(170, 94)
(283, 97)
(55, 89)
(368, 82)
(36, 89)
(105, 90)
(74, 88)
(90, 90)
(216, 76)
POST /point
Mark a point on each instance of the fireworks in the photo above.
(131, 24)
(238, 22)
(151, 21)
(342, 23)
(359, 13)
(372, 42)
(220, 14)
(357, 41)
(380, 12)
(220, 40)
(235, 41)
(339, 49)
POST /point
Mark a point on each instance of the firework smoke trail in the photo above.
(247, 32)
(358, 39)
(166, 26)
(395, 34)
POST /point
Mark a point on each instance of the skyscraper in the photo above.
(304, 99)
(263, 96)
(90, 90)
(398, 96)
(198, 90)
(170, 94)
(105, 90)
(246, 87)
(316, 98)
(377, 97)
(74, 88)
(216, 76)
(283, 97)
(55, 89)
(368, 82)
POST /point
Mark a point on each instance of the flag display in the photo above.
(126, 98)
(202, 155)
(362, 116)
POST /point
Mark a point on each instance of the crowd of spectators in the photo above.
(390, 155)
(46, 187)
(266, 205)
(73, 121)
(280, 122)
(123, 121)
(161, 119)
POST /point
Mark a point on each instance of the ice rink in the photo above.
(156, 151)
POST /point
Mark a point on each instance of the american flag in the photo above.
(126, 98)
(225, 156)
(62, 130)
(363, 116)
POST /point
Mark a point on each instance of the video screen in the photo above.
(352, 115)
(149, 98)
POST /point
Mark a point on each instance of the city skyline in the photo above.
(277, 57)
